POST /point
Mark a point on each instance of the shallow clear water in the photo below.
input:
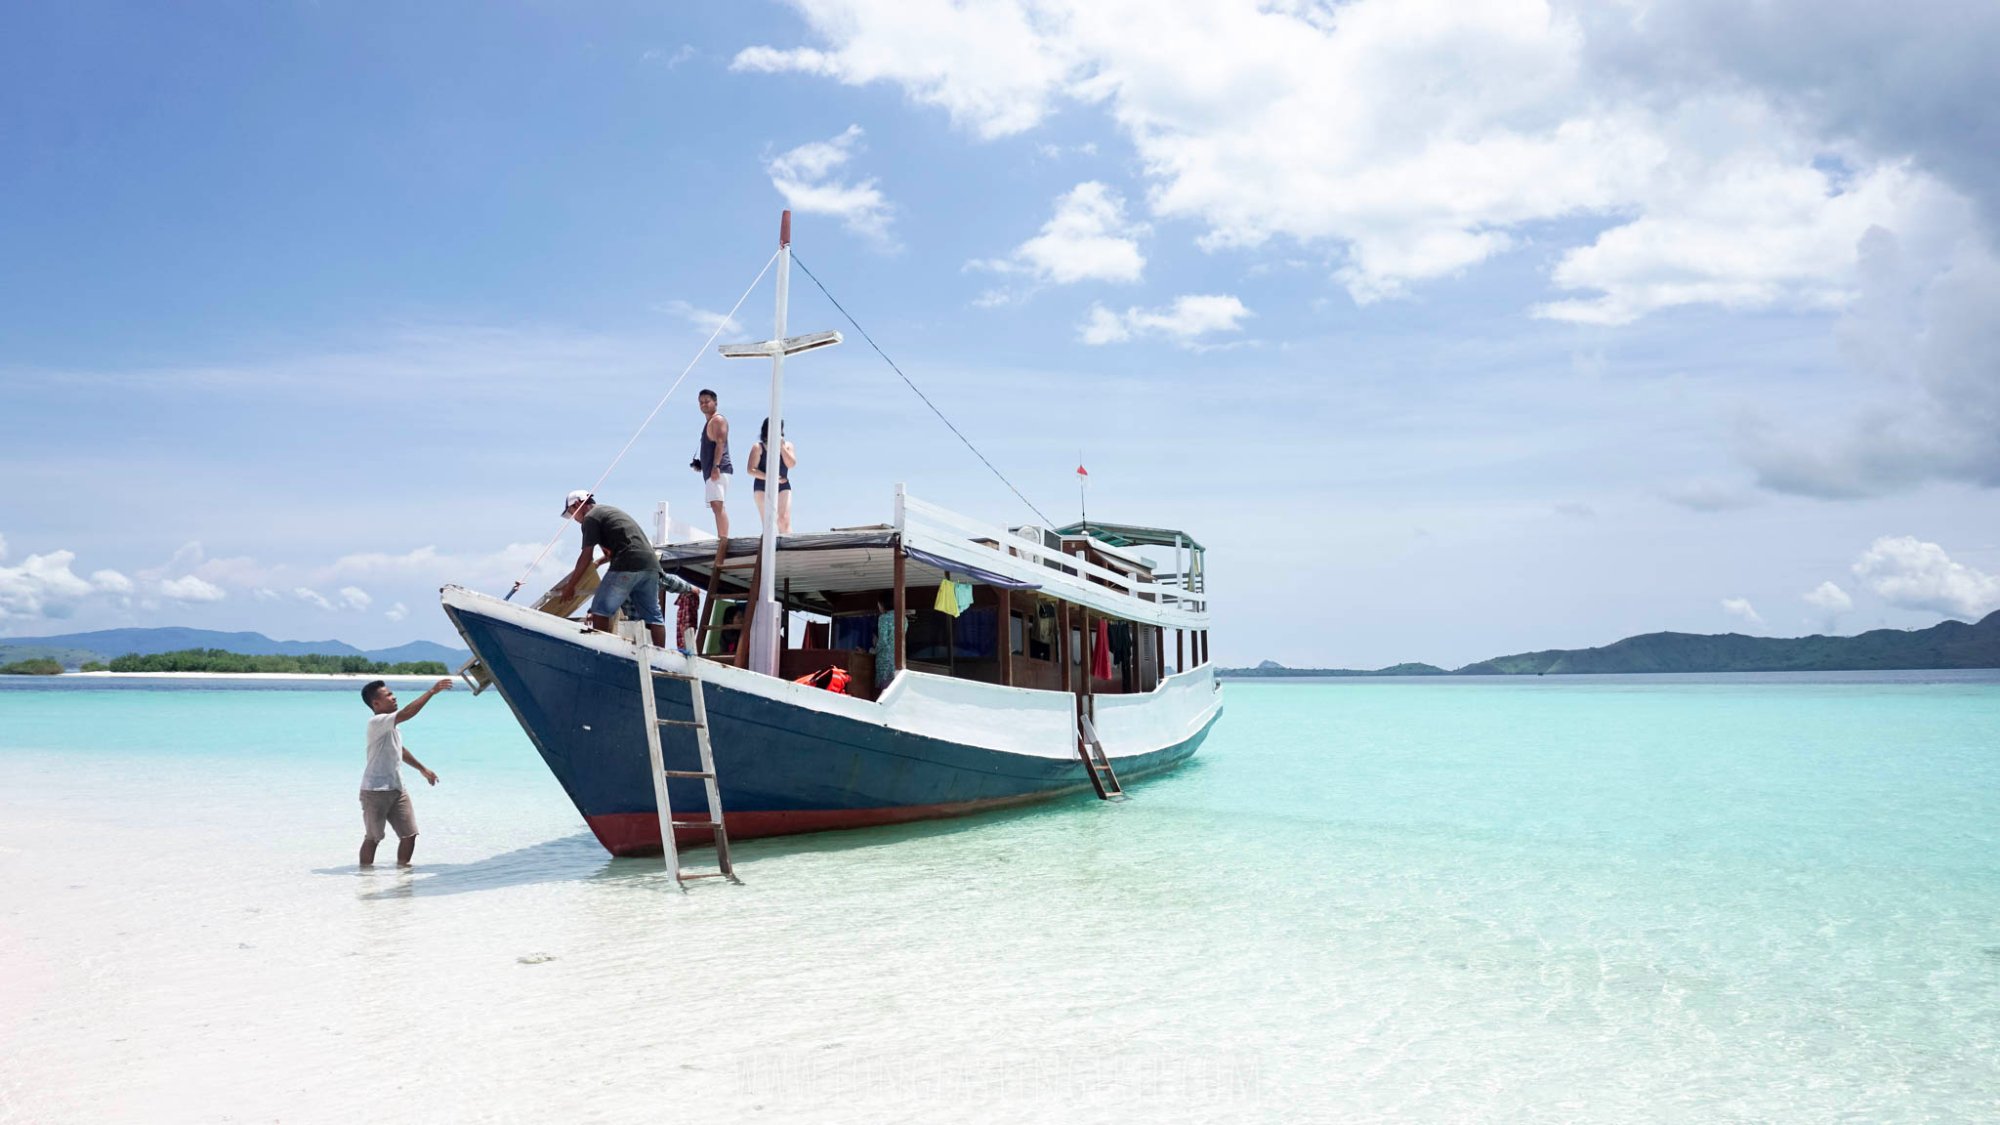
(1602, 899)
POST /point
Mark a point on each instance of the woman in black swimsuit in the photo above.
(787, 457)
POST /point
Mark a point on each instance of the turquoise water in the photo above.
(1587, 899)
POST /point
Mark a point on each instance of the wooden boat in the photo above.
(1050, 677)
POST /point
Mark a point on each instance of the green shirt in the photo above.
(619, 535)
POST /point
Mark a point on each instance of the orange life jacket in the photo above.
(832, 679)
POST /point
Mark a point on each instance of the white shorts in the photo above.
(712, 489)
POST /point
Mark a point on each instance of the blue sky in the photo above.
(1453, 329)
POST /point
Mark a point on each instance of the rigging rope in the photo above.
(1046, 521)
(606, 475)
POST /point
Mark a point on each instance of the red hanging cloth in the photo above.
(684, 617)
(1100, 655)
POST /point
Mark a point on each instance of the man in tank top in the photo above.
(712, 460)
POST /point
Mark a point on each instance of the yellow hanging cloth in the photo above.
(947, 599)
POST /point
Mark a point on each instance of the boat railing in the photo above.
(929, 527)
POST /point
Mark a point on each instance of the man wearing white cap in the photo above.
(633, 581)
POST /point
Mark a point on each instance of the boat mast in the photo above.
(764, 619)
(764, 625)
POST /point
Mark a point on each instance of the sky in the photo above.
(1451, 329)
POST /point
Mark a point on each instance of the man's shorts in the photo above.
(389, 807)
(712, 488)
(637, 591)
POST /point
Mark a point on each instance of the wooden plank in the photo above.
(708, 599)
(749, 614)
(901, 609)
(1062, 642)
(1007, 636)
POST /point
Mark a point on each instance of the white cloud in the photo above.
(433, 567)
(111, 582)
(265, 594)
(355, 598)
(1087, 239)
(987, 64)
(1924, 327)
(1755, 232)
(189, 588)
(1184, 322)
(666, 58)
(311, 597)
(1912, 574)
(1417, 138)
(397, 612)
(1741, 608)
(807, 177)
(702, 318)
(1829, 597)
(42, 586)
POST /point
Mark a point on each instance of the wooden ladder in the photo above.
(647, 676)
(742, 626)
(1102, 777)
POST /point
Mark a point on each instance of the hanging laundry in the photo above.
(686, 610)
(963, 591)
(947, 599)
(1100, 656)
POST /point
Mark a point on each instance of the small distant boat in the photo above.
(1028, 663)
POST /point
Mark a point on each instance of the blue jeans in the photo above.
(638, 591)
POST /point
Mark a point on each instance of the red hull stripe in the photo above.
(639, 833)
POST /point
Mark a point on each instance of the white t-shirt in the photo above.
(385, 754)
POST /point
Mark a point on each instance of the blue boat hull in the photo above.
(782, 768)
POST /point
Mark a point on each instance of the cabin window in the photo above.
(975, 635)
(1017, 634)
(1042, 639)
(929, 637)
(855, 632)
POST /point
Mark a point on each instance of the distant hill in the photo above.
(73, 649)
(1948, 644)
(1271, 669)
(420, 650)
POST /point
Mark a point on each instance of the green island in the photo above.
(220, 660)
(31, 668)
(1948, 644)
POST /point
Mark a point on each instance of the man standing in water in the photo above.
(384, 801)
(712, 460)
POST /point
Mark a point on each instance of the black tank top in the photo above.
(784, 470)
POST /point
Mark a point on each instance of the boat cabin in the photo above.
(1091, 609)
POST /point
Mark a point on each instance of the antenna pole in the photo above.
(764, 624)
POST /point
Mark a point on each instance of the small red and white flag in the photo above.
(1081, 471)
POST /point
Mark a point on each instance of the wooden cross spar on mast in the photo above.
(764, 615)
